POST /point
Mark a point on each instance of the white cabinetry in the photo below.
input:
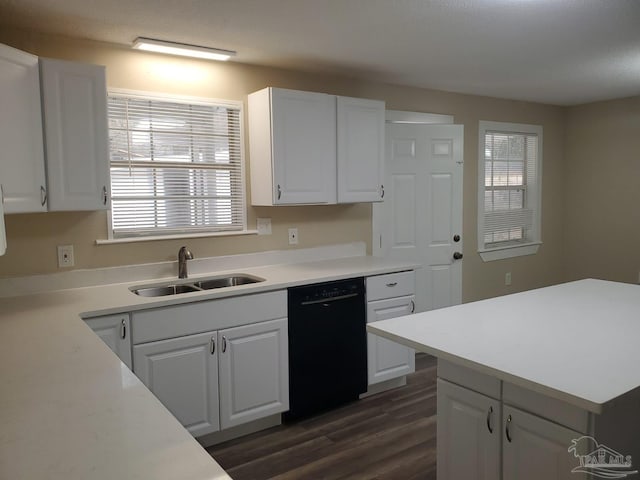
(114, 330)
(292, 141)
(254, 381)
(314, 148)
(360, 150)
(212, 368)
(389, 296)
(74, 102)
(22, 170)
(482, 436)
(468, 434)
(183, 373)
(535, 448)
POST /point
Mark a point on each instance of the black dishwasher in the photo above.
(327, 346)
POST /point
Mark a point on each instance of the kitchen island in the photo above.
(522, 376)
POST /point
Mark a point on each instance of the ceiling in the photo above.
(562, 52)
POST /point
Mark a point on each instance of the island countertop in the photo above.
(577, 342)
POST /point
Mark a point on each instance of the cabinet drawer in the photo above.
(468, 378)
(198, 317)
(391, 285)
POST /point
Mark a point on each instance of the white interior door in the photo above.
(420, 219)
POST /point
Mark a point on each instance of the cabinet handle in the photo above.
(43, 195)
(381, 191)
(123, 329)
(224, 344)
(104, 195)
(506, 429)
(279, 192)
(413, 306)
(392, 284)
(212, 346)
(489, 414)
(1, 194)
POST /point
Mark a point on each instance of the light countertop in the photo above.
(69, 409)
(577, 342)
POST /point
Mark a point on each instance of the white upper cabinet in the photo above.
(22, 158)
(292, 141)
(74, 102)
(360, 150)
(314, 148)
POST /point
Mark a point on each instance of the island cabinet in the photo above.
(216, 364)
(389, 296)
(115, 331)
(314, 148)
(482, 434)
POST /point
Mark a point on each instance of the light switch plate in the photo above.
(264, 226)
(293, 236)
(65, 256)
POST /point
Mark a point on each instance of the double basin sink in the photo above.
(198, 286)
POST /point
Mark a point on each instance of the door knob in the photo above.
(457, 256)
(456, 238)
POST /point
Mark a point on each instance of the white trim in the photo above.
(399, 116)
(111, 241)
(144, 95)
(509, 252)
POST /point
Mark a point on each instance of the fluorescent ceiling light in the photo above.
(172, 48)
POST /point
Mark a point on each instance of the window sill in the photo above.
(112, 241)
(509, 252)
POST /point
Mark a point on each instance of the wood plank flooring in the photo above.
(389, 436)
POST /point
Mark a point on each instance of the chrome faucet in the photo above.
(183, 255)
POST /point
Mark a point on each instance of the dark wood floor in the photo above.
(391, 435)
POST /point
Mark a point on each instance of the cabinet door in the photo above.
(183, 373)
(360, 150)
(22, 157)
(536, 448)
(254, 372)
(114, 330)
(387, 359)
(468, 434)
(304, 147)
(74, 99)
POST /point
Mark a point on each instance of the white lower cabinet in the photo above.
(114, 330)
(183, 373)
(535, 448)
(254, 379)
(209, 366)
(481, 437)
(468, 434)
(389, 296)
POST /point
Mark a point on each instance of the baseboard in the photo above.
(240, 430)
(384, 386)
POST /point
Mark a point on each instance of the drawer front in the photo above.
(198, 317)
(391, 285)
(468, 378)
(551, 408)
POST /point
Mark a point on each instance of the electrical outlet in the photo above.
(264, 226)
(65, 256)
(507, 278)
(293, 236)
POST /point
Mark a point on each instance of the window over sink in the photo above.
(176, 165)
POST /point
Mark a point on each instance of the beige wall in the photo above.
(602, 221)
(33, 238)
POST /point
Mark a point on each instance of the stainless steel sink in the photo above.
(231, 281)
(207, 284)
(165, 290)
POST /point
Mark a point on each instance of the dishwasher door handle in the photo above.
(330, 299)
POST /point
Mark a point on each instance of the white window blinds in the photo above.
(509, 182)
(176, 166)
